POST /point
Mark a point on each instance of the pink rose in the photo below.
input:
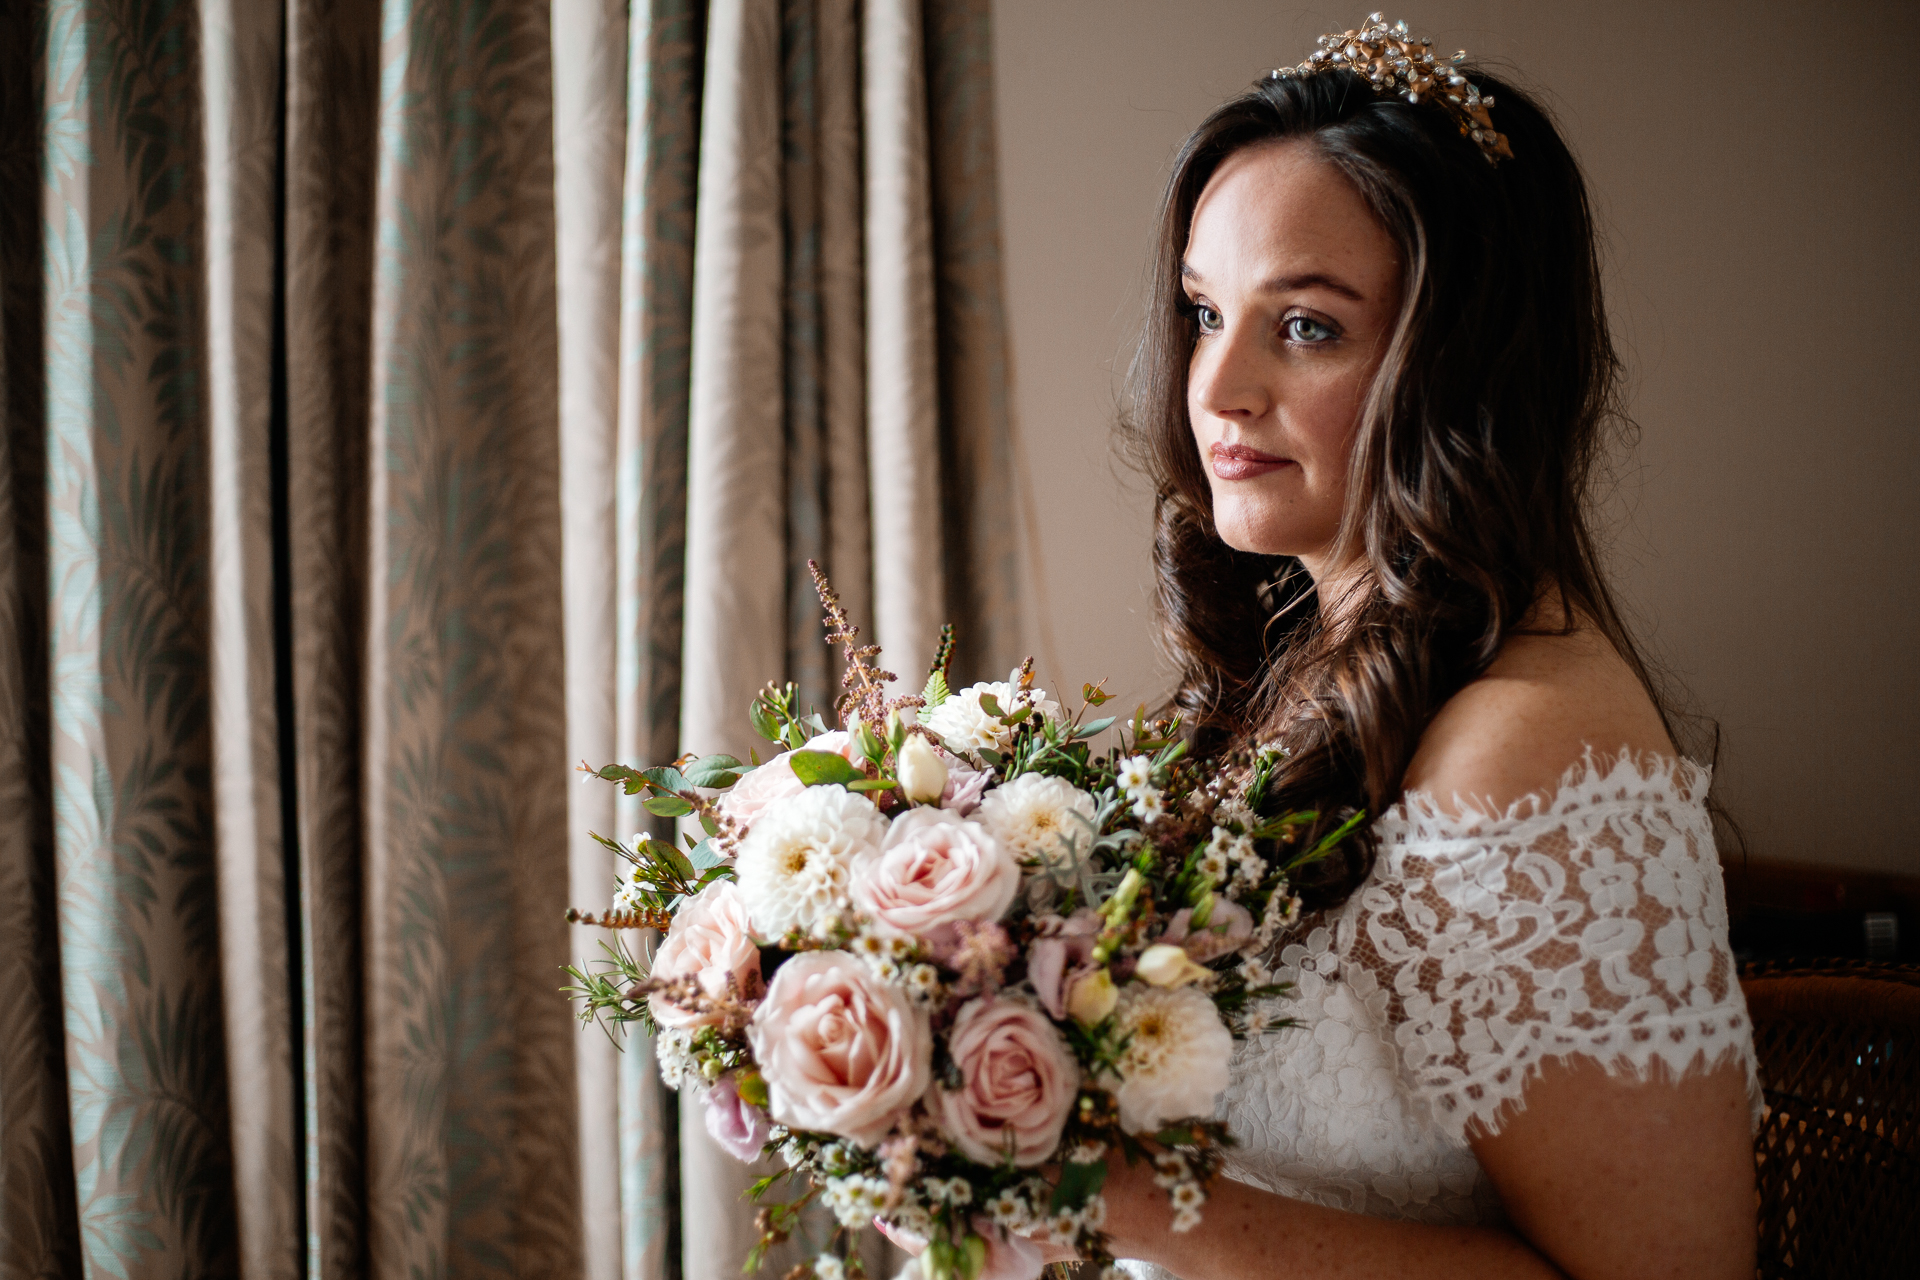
(1060, 941)
(1227, 929)
(964, 788)
(1009, 1256)
(933, 869)
(736, 1124)
(775, 780)
(842, 1052)
(711, 940)
(1019, 1081)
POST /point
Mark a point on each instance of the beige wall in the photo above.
(1756, 186)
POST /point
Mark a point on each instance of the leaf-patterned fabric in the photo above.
(405, 401)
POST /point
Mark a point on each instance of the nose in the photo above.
(1225, 379)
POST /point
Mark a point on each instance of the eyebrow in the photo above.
(1287, 284)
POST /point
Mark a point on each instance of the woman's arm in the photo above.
(1601, 1177)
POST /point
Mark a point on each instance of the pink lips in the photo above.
(1239, 462)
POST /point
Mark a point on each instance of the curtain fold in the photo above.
(407, 400)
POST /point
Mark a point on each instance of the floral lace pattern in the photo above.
(1591, 923)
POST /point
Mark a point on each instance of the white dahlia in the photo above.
(796, 864)
(1175, 1065)
(965, 725)
(1033, 814)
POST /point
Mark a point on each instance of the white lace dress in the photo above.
(1592, 924)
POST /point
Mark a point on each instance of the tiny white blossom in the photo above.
(1213, 866)
(923, 982)
(1185, 1220)
(1135, 775)
(828, 1267)
(1147, 805)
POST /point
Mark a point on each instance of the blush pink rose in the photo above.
(841, 1051)
(964, 788)
(1061, 942)
(775, 780)
(1018, 1083)
(711, 940)
(736, 1124)
(1009, 1256)
(934, 869)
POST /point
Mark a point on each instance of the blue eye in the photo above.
(1307, 330)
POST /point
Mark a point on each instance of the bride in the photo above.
(1374, 379)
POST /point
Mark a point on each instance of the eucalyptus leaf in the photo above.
(1094, 728)
(667, 806)
(872, 784)
(665, 777)
(714, 771)
(821, 768)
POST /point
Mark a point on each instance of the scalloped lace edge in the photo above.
(1456, 1108)
(1617, 775)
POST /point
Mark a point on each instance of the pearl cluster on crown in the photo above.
(1385, 56)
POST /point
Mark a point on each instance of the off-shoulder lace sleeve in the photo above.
(1594, 923)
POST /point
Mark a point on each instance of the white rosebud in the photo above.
(923, 774)
(1165, 965)
(1092, 997)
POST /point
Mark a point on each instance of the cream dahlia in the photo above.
(965, 725)
(1175, 1064)
(1031, 815)
(796, 865)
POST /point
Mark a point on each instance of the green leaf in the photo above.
(705, 856)
(765, 723)
(666, 856)
(1093, 728)
(714, 771)
(1175, 1136)
(936, 691)
(872, 784)
(991, 705)
(664, 777)
(1077, 1183)
(1094, 695)
(820, 768)
(667, 806)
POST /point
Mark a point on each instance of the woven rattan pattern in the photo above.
(1838, 1151)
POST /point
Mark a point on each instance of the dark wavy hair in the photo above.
(1471, 462)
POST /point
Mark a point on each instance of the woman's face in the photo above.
(1295, 288)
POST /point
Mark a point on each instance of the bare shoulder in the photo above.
(1544, 703)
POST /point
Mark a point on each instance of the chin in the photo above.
(1246, 527)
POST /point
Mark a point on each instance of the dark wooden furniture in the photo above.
(1838, 1154)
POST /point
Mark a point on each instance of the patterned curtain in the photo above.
(405, 401)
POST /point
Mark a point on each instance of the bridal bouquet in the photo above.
(943, 960)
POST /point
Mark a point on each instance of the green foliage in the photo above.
(1077, 1184)
(824, 768)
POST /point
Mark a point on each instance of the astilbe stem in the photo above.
(866, 697)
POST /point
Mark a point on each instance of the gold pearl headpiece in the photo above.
(1386, 57)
